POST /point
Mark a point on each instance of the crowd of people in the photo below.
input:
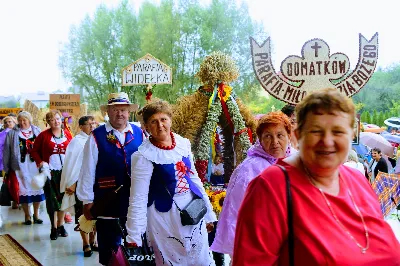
(301, 195)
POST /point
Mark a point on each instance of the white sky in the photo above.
(32, 32)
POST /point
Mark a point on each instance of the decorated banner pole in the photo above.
(216, 71)
(149, 71)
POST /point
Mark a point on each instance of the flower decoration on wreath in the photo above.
(217, 196)
(148, 91)
(216, 71)
(218, 201)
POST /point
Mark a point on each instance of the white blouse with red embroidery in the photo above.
(57, 157)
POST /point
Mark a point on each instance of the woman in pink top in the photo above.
(336, 215)
(273, 131)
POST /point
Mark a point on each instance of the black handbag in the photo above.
(143, 255)
(137, 256)
(289, 202)
(5, 197)
(193, 212)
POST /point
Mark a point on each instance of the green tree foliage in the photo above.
(180, 33)
(374, 118)
(262, 104)
(364, 117)
(98, 49)
(381, 118)
(382, 92)
(368, 118)
(386, 115)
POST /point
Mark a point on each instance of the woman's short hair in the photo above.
(9, 118)
(288, 110)
(352, 156)
(25, 114)
(377, 150)
(51, 114)
(84, 119)
(217, 156)
(328, 100)
(154, 108)
(273, 118)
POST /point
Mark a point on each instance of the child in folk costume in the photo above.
(217, 172)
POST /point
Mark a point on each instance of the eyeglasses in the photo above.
(93, 124)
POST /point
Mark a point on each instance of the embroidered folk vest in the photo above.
(164, 175)
(113, 167)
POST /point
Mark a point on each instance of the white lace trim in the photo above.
(159, 156)
(31, 193)
(25, 131)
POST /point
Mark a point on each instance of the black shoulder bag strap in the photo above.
(165, 186)
(169, 193)
(289, 203)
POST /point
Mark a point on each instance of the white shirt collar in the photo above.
(26, 130)
(160, 156)
(109, 127)
(83, 134)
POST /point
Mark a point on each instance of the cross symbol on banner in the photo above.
(316, 47)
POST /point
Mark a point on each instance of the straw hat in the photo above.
(119, 98)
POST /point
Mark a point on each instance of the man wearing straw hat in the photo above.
(106, 168)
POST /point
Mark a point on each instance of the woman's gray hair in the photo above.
(25, 114)
(352, 156)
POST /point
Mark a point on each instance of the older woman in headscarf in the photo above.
(17, 159)
(273, 132)
(335, 217)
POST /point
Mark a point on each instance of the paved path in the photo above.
(36, 239)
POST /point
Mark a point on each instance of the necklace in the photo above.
(363, 249)
(26, 132)
(154, 142)
(60, 137)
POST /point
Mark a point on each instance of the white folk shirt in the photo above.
(72, 166)
(218, 167)
(142, 171)
(84, 190)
